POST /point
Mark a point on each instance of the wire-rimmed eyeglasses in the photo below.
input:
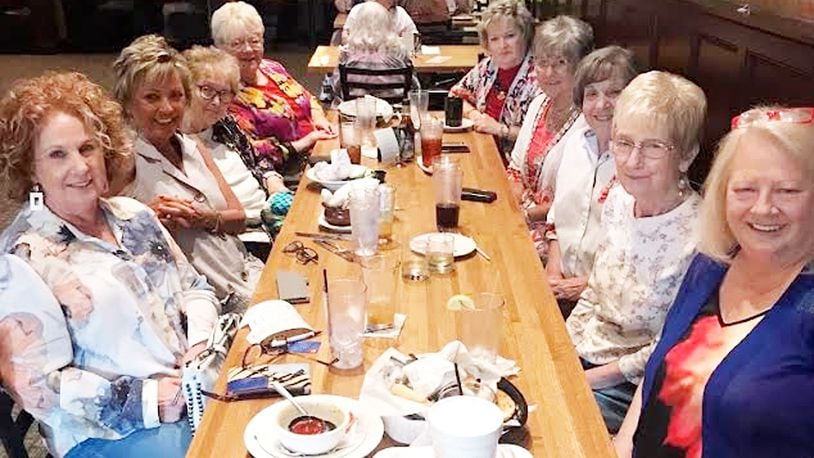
(303, 253)
(651, 149)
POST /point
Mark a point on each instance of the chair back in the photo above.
(391, 84)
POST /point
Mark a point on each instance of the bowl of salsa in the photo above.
(318, 432)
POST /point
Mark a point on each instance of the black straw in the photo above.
(458, 380)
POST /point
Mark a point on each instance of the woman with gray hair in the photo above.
(176, 176)
(552, 118)
(373, 44)
(281, 118)
(585, 174)
(648, 223)
(498, 90)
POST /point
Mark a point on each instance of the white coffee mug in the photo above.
(465, 427)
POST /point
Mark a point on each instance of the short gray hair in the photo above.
(565, 35)
(507, 9)
(669, 100)
(797, 140)
(209, 61)
(147, 58)
(235, 19)
(601, 65)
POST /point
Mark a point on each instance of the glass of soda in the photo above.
(446, 178)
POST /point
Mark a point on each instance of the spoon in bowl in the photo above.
(278, 387)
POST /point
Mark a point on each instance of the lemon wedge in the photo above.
(460, 302)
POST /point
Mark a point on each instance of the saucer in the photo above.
(324, 223)
(466, 124)
(503, 451)
(462, 245)
(261, 441)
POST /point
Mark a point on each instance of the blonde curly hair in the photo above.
(27, 105)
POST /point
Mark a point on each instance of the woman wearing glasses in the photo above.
(731, 374)
(647, 221)
(177, 178)
(215, 81)
(281, 118)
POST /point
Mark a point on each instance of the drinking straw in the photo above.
(458, 380)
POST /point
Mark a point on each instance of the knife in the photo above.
(343, 253)
(316, 235)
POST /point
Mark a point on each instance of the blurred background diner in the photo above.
(176, 176)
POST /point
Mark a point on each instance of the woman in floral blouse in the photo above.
(282, 119)
(648, 221)
(498, 90)
(97, 287)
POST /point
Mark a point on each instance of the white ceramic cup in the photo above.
(465, 426)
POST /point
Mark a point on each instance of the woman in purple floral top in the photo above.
(281, 118)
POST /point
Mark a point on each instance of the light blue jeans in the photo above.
(613, 401)
(170, 440)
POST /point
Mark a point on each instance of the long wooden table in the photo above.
(451, 58)
(566, 422)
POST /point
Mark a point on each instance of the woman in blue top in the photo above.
(732, 373)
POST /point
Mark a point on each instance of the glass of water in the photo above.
(364, 220)
(441, 253)
(346, 321)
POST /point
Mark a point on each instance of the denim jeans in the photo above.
(170, 440)
(613, 401)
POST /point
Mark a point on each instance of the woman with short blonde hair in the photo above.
(497, 92)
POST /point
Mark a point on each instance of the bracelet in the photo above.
(215, 229)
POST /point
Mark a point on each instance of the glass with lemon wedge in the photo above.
(478, 321)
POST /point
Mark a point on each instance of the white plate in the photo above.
(334, 185)
(383, 109)
(503, 451)
(261, 441)
(466, 124)
(324, 223)
(463, 244)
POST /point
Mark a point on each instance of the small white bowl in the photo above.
(319, 407)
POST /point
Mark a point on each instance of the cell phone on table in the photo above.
(478, 195)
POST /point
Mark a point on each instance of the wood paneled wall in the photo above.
(739, 60)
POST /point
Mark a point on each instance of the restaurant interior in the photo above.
(429, 251)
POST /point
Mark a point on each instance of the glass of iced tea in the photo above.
(432, 134)
(349, 140)
(381, 273)
(446, 177)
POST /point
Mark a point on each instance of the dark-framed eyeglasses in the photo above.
(651, 149)
(303, 253)
(209, 93)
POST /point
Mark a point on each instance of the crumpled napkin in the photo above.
(341, 196)
(340, 167)
(425, 375)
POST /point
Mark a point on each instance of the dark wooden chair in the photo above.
(12, 429)
(394, 89)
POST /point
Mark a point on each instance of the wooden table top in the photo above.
(451, 58)
(566, 422)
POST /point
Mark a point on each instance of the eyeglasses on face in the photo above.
(801, 115)
(557, 64)
(303, 253)
(209, 93)
(651, 149)
(254, 42)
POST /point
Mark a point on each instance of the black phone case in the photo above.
(478, 195)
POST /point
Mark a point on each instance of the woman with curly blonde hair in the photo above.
(106, 268)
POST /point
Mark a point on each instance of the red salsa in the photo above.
(310, 425)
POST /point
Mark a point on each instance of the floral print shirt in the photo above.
(273, 115)
(102, 322)
(475, 86)
(637, 271)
